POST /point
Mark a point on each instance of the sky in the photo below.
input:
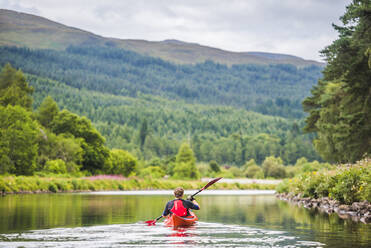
(296, 27)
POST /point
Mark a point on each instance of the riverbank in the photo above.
(357, 211)
(36, 184)
(345, 191)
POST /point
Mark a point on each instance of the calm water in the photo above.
(114, 220)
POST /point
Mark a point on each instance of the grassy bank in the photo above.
(347, 184)
(36, 184)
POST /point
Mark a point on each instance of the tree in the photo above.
(340, 106)
(18, 141)
(122, 162)
(185, 163)
(47, 111)
(214, 166)
(95, 153)
(273, 167)
(143, 133)
(14, 89)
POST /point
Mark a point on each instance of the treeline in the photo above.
(268, 89)
(49, 140)
(153, 128)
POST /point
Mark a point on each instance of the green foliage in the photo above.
(14, 89)
(254, 171)
(95, 153)
(273, 167)
(18, 141)
(51, 183)
(214, 166)
(347, 184)
(152, 172)
(56, 166)
(64, 147)
(267, 89)
(213, 137)
(339, 108)
(121, 162)
(143, 132)
(185, 163)
(47, 111)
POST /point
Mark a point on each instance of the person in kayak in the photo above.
(179, 206)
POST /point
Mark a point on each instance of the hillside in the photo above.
(21, 29)
(248, 110)
(225, 134)
(267, 89)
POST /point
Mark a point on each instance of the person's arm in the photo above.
(196, 204)
(166, 210)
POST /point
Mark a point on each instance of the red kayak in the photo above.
(175, 221)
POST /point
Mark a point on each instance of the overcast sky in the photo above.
(296, 27)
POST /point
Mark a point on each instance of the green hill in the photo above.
(267, 89)
(231, 107)
(21, 29)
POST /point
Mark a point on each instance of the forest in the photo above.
(268, 89)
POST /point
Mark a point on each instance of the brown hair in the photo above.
(178, 192)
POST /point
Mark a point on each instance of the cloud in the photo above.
(300, 28)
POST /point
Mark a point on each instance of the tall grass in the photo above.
(348, 183)
(38, 184)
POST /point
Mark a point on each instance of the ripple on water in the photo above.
(141, 235)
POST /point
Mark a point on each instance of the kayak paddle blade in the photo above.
(151, 222)
(211, 183)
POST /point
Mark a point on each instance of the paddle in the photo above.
(207, 185)
(153, 222)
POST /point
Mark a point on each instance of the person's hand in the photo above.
(190, 198)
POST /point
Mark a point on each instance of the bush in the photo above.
(57, 166)
(52, 187)
(121, 162)
(152, 172)
(254, 171)
(347, 186)
(214, 166)
(273, 167)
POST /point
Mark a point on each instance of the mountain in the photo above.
(21, 29)
(184, 91)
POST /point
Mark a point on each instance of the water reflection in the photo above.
(251, 218)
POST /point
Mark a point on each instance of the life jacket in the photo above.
(178, 208)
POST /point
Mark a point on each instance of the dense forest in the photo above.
(46, 139)
(268, 89)
(225, 134)
(149, 107)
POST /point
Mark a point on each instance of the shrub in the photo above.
(57, 166)
(254, 171)
(153, 172)
(214, 166)
(52, 187)
(347, 186)
(122, 162)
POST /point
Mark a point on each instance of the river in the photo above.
(115, 219)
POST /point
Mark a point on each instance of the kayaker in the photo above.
(179, 206)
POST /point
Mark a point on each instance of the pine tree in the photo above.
(340, 106)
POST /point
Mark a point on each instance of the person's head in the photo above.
(178, 192)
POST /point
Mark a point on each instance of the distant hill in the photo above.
(21, 29)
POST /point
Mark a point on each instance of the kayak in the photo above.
(175, 221)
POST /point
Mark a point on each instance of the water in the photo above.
(231, 219)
